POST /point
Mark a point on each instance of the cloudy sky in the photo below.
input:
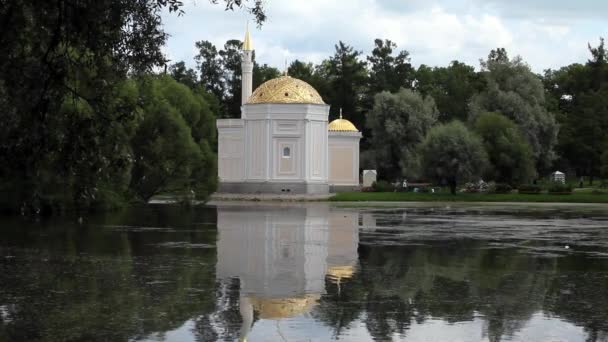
(546, 33)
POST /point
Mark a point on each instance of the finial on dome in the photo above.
(247, 44)
(340, 113)
(285, 72)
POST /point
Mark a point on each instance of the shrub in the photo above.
(383, 186)
(529, 189)
(500, 188)
(471, 188)
(558, 188)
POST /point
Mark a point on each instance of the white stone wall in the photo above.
(344, 158)
(276, 252)
(301, 128)
(230, 150)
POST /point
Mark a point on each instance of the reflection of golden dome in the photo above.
(342, 125)
(285, 89)
(340, 272)
(276, 308)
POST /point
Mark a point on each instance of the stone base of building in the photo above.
(344, 188)
(273, 188)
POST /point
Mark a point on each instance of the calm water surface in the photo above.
(308, 273)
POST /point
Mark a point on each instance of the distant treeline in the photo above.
(87, 121)
(528, 124)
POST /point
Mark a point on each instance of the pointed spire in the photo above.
(285, 72)
(247, 44)
(340, 113)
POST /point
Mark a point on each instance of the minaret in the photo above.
(247, 68)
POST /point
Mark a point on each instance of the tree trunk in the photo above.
(453, 185)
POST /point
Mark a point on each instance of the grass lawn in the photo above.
(576, 197)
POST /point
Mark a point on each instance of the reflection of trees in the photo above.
(580, 295)
(92, 283)
(455, 282)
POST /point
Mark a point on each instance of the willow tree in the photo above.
(450, 153)
(398, 122)
(70, 50)
(513, 90)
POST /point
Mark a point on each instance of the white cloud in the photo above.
(434, 32)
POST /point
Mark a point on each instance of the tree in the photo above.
(57, 51)
(514, 91)
(315, 75)
(263, 73)
(604, 161)
(210, 67)
(451, 153)
(347, 77)
(388, 72)
(510, 156)
(171, 146)
(580, 94)
(231, 63)
(184, 75)
(398, 122)
(452, 88)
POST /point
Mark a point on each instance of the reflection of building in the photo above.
(343, 240)
(282, 142)
(281, 256)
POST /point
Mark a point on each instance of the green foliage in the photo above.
(451, 153)
(347, 78)
(452, 87)
(529, 189)
(581, 94)
(382, 186)
(184, 75)
(171, 146)
(509, 154)
(398, 122)
(604, 162)
(500, 188)
(69, 109)
(559, 188)
(263, 73)
(388, 72)
(514, 91)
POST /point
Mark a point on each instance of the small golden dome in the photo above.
(276, 308)
(337, 273)
(342, 125)
(285, 89)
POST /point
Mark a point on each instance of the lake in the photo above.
(308, 272)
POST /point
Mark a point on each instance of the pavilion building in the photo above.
(282, 142)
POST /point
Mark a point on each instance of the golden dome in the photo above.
(276, 308)
(341, 125)
(285, 89)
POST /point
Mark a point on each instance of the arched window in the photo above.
(286, 152)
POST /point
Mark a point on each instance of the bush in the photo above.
(558, 188)
(529, 189)
(383, 186)
(500, 188)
